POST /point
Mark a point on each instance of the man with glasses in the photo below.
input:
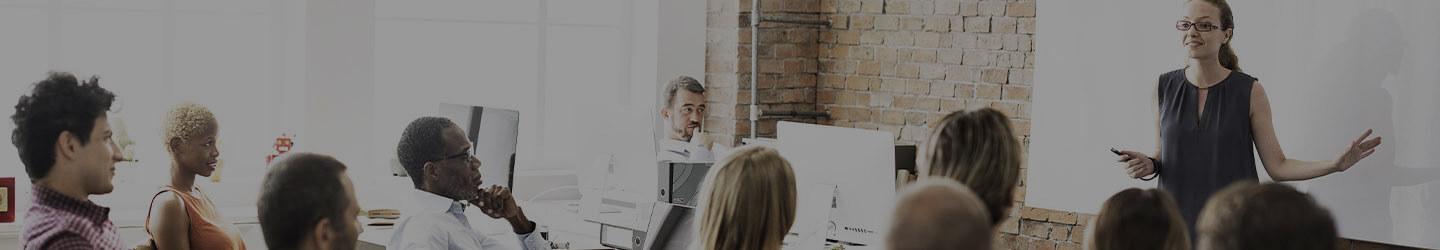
(446, 174)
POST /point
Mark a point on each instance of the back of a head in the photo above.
(300, 190)
(748, 201)
(939, 213)
(1246, 215)
(1140, 219)
(979, 149)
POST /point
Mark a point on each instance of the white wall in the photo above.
(572, 68)
(228, 55)
(347, 76)
(1331, 68)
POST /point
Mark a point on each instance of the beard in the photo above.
(683, 132)
(345, 242)
(101, 181)
(679, 135)
(457, 186)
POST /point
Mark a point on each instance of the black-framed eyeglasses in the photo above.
(1183, 25)
(467, 155)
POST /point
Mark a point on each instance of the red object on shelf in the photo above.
(8, 201)
(283, 144)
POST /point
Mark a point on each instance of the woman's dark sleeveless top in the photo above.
(1202, 153)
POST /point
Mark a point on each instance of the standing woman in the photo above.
(181, 215)
(1210, 116)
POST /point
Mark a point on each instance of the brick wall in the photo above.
(891, 65)
(725, 117)
(900, 65)
(895, 65)
(788, 65)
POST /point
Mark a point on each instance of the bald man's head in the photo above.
(940, 213)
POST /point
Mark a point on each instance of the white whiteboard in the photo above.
(1332, 68)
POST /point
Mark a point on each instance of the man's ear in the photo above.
(429, 172)
(67, 146)
(665, 113)
(321, 233)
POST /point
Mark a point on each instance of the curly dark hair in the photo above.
(420, 143)
(57, 104)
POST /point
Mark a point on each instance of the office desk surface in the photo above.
(561, 218)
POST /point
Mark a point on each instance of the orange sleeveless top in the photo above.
(207, 229)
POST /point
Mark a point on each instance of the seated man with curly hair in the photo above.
(63, 136)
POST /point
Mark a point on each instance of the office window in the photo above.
(153, 56)
(470, 52)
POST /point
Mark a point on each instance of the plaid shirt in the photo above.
(56, 221)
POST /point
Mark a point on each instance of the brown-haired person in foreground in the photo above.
(1269, 216)
(747, 201)
(978, 149)
(1142, 219)
(939, 213)
(308, 202)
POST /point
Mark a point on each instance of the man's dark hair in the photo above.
(300, 189)
(57, 104)
(683, 82)
(421, 143)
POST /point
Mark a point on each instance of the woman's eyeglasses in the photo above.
(1200, 26)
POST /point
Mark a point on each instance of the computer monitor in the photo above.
(495, 133)
(905, 157)
(672, 226)
(858, 164)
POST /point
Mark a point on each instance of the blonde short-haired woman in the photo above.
(186, 218)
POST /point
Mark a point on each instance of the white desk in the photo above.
(561, 217)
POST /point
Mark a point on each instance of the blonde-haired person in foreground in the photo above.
(979, 149)
(748, 201)
(1271, 216)
(1140, 219)
(939, 213)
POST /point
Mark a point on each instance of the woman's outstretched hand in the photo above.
(1359, 149)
